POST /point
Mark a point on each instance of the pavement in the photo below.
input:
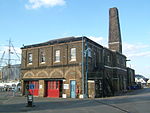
(137, 101)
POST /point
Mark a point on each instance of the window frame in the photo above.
(73, 54)
(42, 57)
(95, 59)
(108, 58)
(57, 56)
(30, 58)
(89, 52)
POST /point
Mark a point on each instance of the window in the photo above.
(95, 59)
(108, 58)
(89, 52)
(30, 58)
(121, 61)
(57, 56)
(42, 57)
(73, 54)
(100, 56)
(124, 62)
(118, 60)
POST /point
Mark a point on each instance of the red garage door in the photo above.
(53, 89)
(34, 88)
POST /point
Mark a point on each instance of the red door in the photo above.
(53, 89)
(34, 88)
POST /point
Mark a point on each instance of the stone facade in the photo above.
(101, 73)
(110, 75)
(65, 70)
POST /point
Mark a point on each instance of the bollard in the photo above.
(29, 100)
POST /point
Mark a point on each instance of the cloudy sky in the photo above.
(33, 21)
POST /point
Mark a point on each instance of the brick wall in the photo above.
(65, 69)
(103, 65)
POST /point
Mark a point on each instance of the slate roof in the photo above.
(59, 41)
(55, 41)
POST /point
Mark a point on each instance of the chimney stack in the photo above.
(115, 42)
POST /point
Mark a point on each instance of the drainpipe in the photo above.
(83, 92)
(103, 74)
(86, 76)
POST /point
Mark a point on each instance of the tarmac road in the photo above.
(134, 102)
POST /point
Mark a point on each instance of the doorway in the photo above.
(73, 89)
(53, 88)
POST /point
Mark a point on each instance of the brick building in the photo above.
(76, 66)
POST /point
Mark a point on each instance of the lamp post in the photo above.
(84, 67)
(128, 61)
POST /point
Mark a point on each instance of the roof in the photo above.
(55, 41)
(116, 52)
(61, 40)
(66, 40)
(148, 81)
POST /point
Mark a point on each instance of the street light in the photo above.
(127, 61)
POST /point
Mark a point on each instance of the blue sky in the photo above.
(33, 21)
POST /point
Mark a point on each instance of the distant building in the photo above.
(11, 74)
(140, 79)
(0, 75)
(76, 67)
(148, 83)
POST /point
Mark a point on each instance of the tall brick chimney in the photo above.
(114, 42)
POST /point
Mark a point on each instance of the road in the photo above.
(137, 101)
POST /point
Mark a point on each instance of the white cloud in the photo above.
(133, 47)
(139, 54)
(34, 4)
(136, 50)
(144, 54)
(99, 40)
(96, 39)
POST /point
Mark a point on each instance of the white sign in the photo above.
(66, 86)
(40, 86)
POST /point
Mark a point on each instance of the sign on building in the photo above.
(66, 86)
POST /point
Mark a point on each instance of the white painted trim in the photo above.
(91, 81)
(114, 42)
(108, 67)
(115, 68)
(120, 68)
(29, 64)
(42, 62)
(72, 60)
